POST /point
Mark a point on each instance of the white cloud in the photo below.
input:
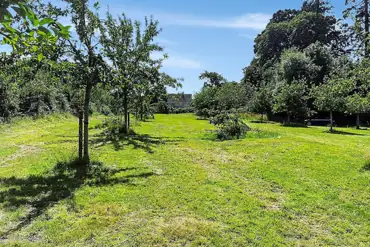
(256, 21)
(182, 63)
(178, 62)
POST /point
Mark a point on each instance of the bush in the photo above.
(229, 126)
(208, 113)
(113, 126)
(160, 107)
(182, 110)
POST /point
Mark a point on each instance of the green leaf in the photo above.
(40, 57)
(44, 30)
(4, 15)
(46, 21)
(20, 11)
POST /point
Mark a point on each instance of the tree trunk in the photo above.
(262, 117)
(288, 119)
(129, 119)
(86, 123)
(125, 106)
(80, 134)
(331, 121)
(358, 121)
(366, 10)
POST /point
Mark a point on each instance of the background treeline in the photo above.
(307, 64)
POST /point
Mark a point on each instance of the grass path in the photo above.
(174, 186)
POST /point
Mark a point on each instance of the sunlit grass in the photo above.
(171, 184)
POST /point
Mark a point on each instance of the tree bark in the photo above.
(288, 119)
(126, 121)
(129, 119)
(262, 117)
(331, 121)
(366, 10)
(80, 135)
(86, 123)
(358, 121)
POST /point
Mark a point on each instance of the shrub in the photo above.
(181, 110)
(161, 107)
(229, 126)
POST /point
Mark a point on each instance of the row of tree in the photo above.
(307, 61)
(106, 65)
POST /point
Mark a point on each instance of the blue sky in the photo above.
(198, 35)
(214, 35)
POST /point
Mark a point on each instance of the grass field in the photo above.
(173, 185)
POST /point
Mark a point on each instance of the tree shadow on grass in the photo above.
(40, 192)
(295, 125)
(366, 166)
(339, 132)
(262, 122)
(138, 141)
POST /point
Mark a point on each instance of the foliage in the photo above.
(138, 80)
(261, 101)
(358, 27)
(212, 79)
(295, 66)
(330, 96)
(205, 99)
(291, 99)
(229, 126)
(21, 28)
(231, 95)
(355, 104)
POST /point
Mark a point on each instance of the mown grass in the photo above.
(171, 185)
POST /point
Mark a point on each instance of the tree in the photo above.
(231, 95)
(129, 49)
(24, 31)
(89, 61)
(212, 79)
(261, 101)
(331, 96)
(252, 74)
(357, 101)
(205, 99)
(295, 65)
(322, 60)
(299, 29)
(291, 99)
(358, 10)
(355, 104)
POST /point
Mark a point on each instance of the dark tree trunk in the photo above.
(366, 10)
(331, 121)
(86, 123)
(125, 106)
(129, 119)
(358, 121)
(288, 119)
(80, 135)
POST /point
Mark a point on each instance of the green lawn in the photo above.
(172, 185)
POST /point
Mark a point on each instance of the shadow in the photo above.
(338, 132)
(295, 125)
(138, 141)
(40, 192)
(366, 167)
(262, 122)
